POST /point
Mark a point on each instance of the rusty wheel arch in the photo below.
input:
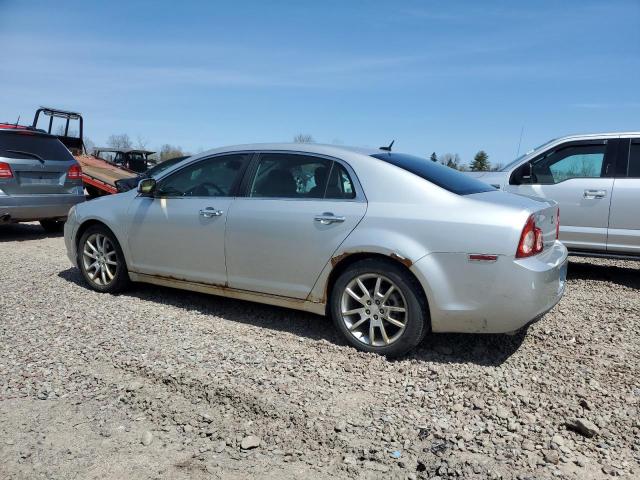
(343, 261)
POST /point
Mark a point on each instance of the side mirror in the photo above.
(146, 187)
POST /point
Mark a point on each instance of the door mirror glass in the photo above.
(147, 186)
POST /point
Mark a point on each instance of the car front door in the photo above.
(180, 231)
(297, 210)
(624, 220)
(579, 176)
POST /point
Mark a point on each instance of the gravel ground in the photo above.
(160, 383)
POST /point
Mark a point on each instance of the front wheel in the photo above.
(379, 307)
(101, 260)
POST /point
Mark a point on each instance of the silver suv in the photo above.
(39, 178)
(596, 181)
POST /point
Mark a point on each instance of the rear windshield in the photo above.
(436, 173)
(28, 145)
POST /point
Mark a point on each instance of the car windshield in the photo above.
(515, 162)
(440, 175)
(18, 144)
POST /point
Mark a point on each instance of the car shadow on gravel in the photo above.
(623, 276)
(22, 232)
(481, 349)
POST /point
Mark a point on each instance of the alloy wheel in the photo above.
(100, 259)
(374, 310)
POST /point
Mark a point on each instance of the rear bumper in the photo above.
(499, 297)
(23, 208)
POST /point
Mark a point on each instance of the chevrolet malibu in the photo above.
(390, 245)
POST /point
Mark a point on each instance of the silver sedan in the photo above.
(390, 245)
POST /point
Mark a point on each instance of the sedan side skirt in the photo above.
(223, 291)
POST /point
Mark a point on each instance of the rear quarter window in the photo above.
(29, 145)
(440, 175)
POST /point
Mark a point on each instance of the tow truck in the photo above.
(99, 171)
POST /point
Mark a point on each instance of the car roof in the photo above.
(589, 136)
(24, 130)
(318, 148)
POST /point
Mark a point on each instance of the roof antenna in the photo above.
(18, 120)
(520, 141)
(388, 149)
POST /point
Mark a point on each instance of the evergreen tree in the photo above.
(434, 157)
(480, 162)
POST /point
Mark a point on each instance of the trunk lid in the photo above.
(545, 211)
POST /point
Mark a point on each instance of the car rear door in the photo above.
(579, 176)
(297, 210)
(179, 232)
(37, 164)
(624, 219)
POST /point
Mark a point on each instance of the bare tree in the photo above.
(141, 143)
(121, 140)
(170, 151)
(88, 144)
(303, 138)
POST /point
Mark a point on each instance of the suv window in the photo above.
(32, 145)
(290, 175)
(633, 171)
(577, 161)
(444, 177)
(213, 177)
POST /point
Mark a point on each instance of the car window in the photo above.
(213, 177)
(633, 170)
(340, 185)
(444, 177)
(577, 161)
(30, 145)
(284, 175)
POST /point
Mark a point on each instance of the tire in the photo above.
(52, 226)
(406, 294)
(105, 250)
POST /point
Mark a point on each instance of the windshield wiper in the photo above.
(29, 154)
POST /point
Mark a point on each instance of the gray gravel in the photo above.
(159, 383)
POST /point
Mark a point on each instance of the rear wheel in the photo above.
(101, 260)
(52, 226)
(379, 308)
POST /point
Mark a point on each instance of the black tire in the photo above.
(416, 321)
(52, 226)
(120, 279)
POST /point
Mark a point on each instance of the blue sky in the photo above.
(438, 76)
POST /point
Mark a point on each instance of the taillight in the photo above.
(558, 224)
(5, 170)
(531, 241)
(74, 173)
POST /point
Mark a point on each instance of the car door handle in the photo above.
(210, 212)
(327, 218)
(595, 194)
